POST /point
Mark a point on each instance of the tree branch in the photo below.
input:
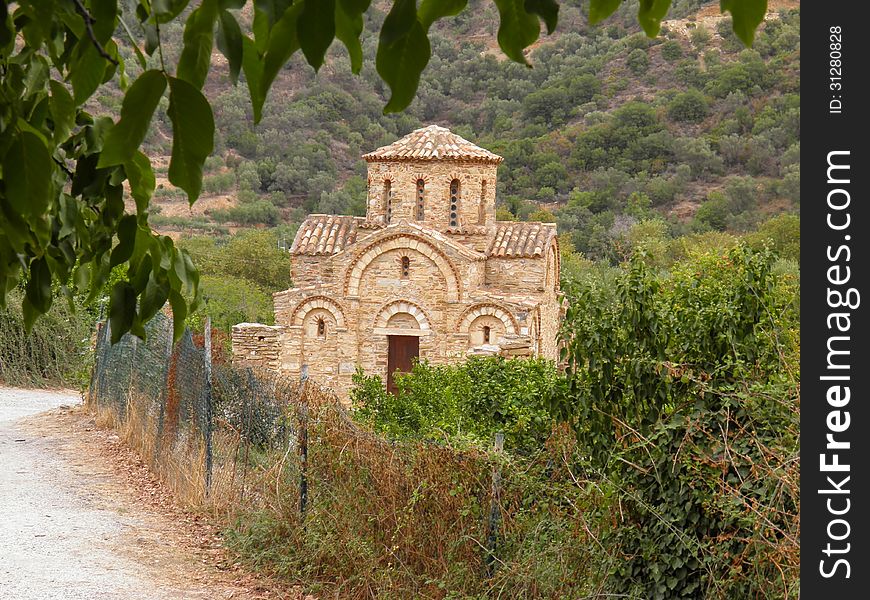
(63, 167)
(89, 21)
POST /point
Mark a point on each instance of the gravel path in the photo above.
(66, 531)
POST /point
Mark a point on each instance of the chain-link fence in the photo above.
(305, 482)
(172, 399)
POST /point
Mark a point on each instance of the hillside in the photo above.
(609, 128)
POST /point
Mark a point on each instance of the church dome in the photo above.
(432, 143)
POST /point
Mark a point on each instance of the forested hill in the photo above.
(607, 130)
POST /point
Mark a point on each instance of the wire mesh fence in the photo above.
(283, 458)
(173, 399)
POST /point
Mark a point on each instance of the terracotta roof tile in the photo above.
(432, 143)
(325, 234)
(521, 240)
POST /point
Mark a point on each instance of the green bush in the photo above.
(56, 352)
(782, 234)
(672, 51)
(683, 391)
(471, 400)
(252, 213)
(637, 61)
(229, 301)
(689, 106)
(713, 212)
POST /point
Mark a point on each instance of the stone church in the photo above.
(428, 272)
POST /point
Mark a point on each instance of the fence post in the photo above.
(303, 444)
(93, 387)
(209, 411)
(128, 408)
(494, 507)
(164, 393)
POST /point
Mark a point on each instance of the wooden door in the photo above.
(403, 349)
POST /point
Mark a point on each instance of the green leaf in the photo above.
(27, 172)
(166, 10)
(122, 309)
(315, 29)
(192, 136)
(403, 53)
(62, 109)
(104, 13)
(179, 313)
(252, 64)
(140, 58)
(38, 289)
(283, 42)
(746, 16)
(432, 10)
(86, 71)
(229, 42)
(155, 296)
(517, 29)
(548, 10)
(142, 180)
(126, 240)
(601, 9)
(650, 15)
(348, 27)
(195, 57)
(139, 104)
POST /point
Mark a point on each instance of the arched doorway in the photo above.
(402, 350)
(403, 323)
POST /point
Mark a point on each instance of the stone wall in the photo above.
(521, 276)
(476, 198)
(256, 345)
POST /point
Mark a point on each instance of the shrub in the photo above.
(56, 352)
(689, 106)
(782, 234)
(637, 61)
(672, 51)
(252, 213)
(677, 361)
(474, 400)
(713, 212)
(700, 37)
(229, 301)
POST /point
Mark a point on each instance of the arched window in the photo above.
(454, 203)
(406, 267)
(481, 209)
(486, 334)
(388, 200)
(421, 199)
(321, 328)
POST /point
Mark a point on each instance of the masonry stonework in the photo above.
(428, 261)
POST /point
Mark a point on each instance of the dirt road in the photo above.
(80, 518)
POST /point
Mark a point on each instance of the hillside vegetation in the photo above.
(607, 130)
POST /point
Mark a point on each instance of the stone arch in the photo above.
(553, 267)
(408, 242)
(402, 306)
(318, 302)
(494, 310)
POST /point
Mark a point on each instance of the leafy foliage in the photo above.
(64, 170)
(683, 391)
(56, 352)
(474, 399)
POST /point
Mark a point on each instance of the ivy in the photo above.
(682, 390)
